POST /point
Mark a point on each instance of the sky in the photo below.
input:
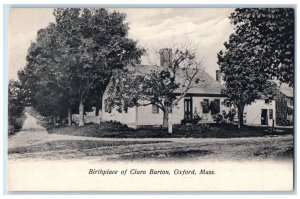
(206, 29)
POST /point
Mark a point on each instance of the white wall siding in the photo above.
(139, 116)
(146, 117)
(253, 112)
(128, 118)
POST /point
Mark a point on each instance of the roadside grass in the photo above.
(73, 145)
(117, 130)
(167, 154)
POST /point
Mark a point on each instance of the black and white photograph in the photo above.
(151, 99)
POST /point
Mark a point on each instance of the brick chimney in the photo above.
(165, 57)
(218, 76)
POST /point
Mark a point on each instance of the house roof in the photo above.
(286, 90)
(206, 86)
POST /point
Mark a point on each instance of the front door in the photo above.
(188, 108)
(264, 116)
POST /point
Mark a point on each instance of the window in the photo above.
(271, 114)
(267, 101)
(291, 102)
(215, 107)
(126, 109)
(218, 76)
(171, 110)
(155, 109)
(205, 106)
(107, 108)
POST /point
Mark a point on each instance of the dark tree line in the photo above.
(72, 60)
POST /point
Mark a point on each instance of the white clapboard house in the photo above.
(195, 102)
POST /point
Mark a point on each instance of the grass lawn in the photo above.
(117, 130)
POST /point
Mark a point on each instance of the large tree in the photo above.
(72, 59)
(95, 42)
(163, 86)
(243, 74)
(271, 32)
(42, 75)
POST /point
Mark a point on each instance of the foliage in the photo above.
(113, 130)
(195, 120)
(97, 42)
(290, 111)
(269, 32)
(243, 73)
(71, 61)
(230, 115)
(16, 105)
(283, 121)
(219, 118)
(42, 76)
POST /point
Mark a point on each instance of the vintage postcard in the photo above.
(151, 99)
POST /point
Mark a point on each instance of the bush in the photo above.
(190, 121)
(230, 115)
(190, 129)
(195, 120)
(15, 124)
(283, 122)
(219, 118)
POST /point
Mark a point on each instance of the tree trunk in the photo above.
(81, 114)
(241, 116)
(165, 119)
(50, 120)
(69, 116)
(54, 119)
(97, 110)
(230, 120)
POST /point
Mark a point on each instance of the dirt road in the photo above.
(33, 142)
(32, 133)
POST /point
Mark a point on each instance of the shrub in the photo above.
(230, 115)
(191, 129)
(15, 124)
(219, 118)
(281, 121)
